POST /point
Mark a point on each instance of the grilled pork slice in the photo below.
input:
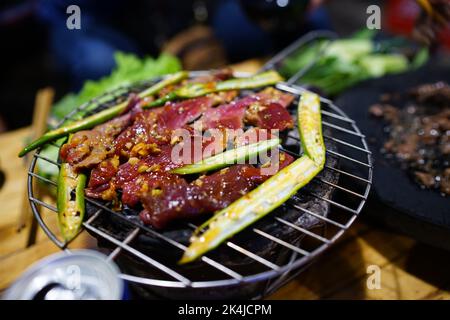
(101, 182)
(133, 175)
(177, 115)
(269, 116)
(229, 116)
(90, 147)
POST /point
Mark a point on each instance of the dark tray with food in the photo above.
(407, 121)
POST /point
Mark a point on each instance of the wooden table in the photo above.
(409, 270)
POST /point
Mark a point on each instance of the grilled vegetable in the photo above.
(310, 128)
(100, 117)
(251, 207)
(228, 157)
(271, 193)
(70, 201)
(194, 90)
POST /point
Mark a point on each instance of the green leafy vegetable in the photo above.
(129, 68)
(228, 157)
(345, 62)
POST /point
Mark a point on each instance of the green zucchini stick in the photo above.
(194, 90)
(70, 201)
(228, 157)
(101, 116)
(310, 127)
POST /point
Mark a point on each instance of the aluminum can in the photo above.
(74, 275)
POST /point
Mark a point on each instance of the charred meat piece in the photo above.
(142, 137)
(153, 128)
(132, 174)
(90, 147)
(152, 183)
(230, 116)
(272, 95)
(135, 173)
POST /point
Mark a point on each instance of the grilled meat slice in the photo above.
(143, 133)
(135, 173)
(269, 116)
(265, 109)
(205, 195)
(177, 115)
(90, 147)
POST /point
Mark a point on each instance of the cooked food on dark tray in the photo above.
(419, 134)
(180, 150)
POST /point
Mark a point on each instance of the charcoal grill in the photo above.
(347, 177)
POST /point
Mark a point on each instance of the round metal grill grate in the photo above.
(352, 172)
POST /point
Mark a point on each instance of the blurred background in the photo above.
(39, 50)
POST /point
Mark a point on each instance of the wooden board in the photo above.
(12, 191)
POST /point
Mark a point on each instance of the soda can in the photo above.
(74, 275)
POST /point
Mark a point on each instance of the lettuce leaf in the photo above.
(129, 68)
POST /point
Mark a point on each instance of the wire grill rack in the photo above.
(350, 193)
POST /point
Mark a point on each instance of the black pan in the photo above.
(396, 199)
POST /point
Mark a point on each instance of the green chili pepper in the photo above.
(169, 80)
(310, 127)
(228, 157)
(194, 90)
(101, 116)
(270, 194)
(70, 201)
